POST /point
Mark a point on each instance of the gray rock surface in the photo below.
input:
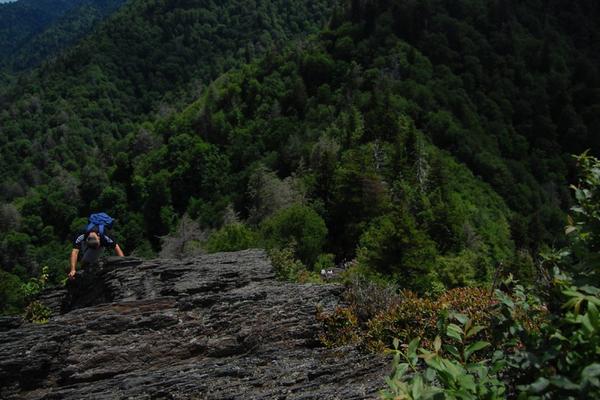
(213, 327)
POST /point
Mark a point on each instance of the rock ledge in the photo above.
(213, 327)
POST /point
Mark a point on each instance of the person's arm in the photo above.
(119, 251)
(74, 254)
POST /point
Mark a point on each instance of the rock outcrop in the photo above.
(212, 327)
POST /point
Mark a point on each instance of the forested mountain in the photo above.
(61, 125)
(427, 140)
(33, 30)
(141, 63)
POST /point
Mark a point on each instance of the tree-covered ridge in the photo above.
(512, 90)
(32, 31)
(61, 34)
(355, 144)
(146, 59)
(21, 20)
(349, 150)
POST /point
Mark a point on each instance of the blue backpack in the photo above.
(100, 220)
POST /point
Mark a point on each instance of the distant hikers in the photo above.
(90, 244)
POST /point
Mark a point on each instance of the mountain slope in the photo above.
(147, 58)
(423, 139)
(21, 20)
(33, 31)
(73, 25)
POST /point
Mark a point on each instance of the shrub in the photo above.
(382, 316)
(324, 262)
(543, 353)
(341, 327)
(37, 313)
(12, 295)
(184, 241)
(298, 226)
(447, 371)
(424, 317)
(368, 298)
(457, 270)
(288, 268)
(394, 246)
(231, 237)
(35, 285)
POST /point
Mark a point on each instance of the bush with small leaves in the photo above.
(298, 226)
(341, 327)
(449, 370)
(37, 313)
(231, 237)
(383, 315)
(288, 268)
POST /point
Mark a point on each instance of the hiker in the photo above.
(92, 242)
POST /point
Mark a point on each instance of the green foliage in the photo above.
(288, 268)
(45, 28)
(12, 294)
(35, 285)
(393, 245)
(231, 237)
(94, 91)
(561, 358)
(385, 125)
(298, 226)
(324, 262)
(457, 270)
(584, 226)
(558, 358)
(546, 347)
(382, 315)
(450, 372)
(37, 313)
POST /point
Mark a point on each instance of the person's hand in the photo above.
(72, 274)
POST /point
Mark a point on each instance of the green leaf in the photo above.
(467, 382)
(430, 374)
(504, 299)
(455, 332)
(417, 387)
(454, 369)
(435, 363)
(437, 344)
(559, 336)
(472, 348)
(570, 229)
(593, 300)
(474, 330)
(594, 316)
(539, 386)
(461, 318)
(594, 291)
(412, 347)
(563, 383)
(591, 373)
(452, 350)
(587, 324)
(401, 370)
